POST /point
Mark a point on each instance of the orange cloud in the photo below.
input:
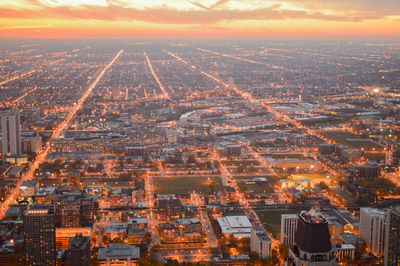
(118, 18)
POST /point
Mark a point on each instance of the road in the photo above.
(212, 239)
(151, 215)
(162, 88)
(28, 175)
(17, 77)
(99, 229)
(246, 60)
(24, 95)
(225, 174)
(263, 162)
(247, 96)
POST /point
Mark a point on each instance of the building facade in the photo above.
(312, 245)
(118, 254)
(79, 250)
(10, 133)
(288, 228)
(260, 242)
(392, 237)
(39, 235)
(372, 229)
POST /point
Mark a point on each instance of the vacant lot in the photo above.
(350, 140)
(272, 220)
(375, 156)
(185, 184)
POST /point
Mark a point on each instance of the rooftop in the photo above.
(261, 233)
(234, 224)
(119, 251)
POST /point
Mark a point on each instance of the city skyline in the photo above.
(199, 132)
(209, 19)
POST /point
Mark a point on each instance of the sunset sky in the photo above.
(222, 19)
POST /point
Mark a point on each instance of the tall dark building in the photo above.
(70, 213)
(78, 252)
(13, 255)
(11, 136)
(40, 235)
(312, 242)
(74, 209)
(392, 237)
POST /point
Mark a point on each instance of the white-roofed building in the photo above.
(237, 226)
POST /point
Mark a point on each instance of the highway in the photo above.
(246, 60)
(226, 176)
(28, 175)
(247, 96)
(162, 88)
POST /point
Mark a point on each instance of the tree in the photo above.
(99, 167)
(273, 260)
(125, 177)
(241, 168)
(172, 263)
(191, 159)
(283, 251)
(217, 164)
(254, 256)
(148, 261)
(323, 186)
(147, 236)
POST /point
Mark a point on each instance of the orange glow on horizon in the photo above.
(132, 19)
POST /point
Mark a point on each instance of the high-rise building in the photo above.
(288, 228)
(70, 213)
(372, 229)
(78, 252)
(74, 209)
(260, 242)
(312, 244)
(392, 237)
(10, 133)
(31, 144)
(39, 235)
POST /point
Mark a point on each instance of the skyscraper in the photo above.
(312, 245)
(372, 229)
(392, 237)
(39, 235)
(288, 228)
(10, 133)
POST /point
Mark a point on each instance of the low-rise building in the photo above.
(236, 226)
(29, 188)
(118, 254)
